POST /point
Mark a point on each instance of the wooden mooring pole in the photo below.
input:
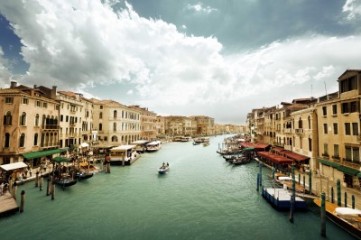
(323, 214)
(22, 201)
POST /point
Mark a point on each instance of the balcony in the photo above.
(299, 131)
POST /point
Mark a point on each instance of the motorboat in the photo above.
(163, 169)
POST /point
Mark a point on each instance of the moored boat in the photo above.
(153, 146)
(82, 175)
(65, 181)
(347, 218)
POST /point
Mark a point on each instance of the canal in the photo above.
(201, 197)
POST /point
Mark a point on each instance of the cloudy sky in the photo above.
(219, 58)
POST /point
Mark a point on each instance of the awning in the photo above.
(329, 163)
(348, 170)
(61, 159)
(122, 148)
(275, 158)
(248, 149)
(295, 156)
(256, 146)
(84, 145)
(32, 155)
(13, 166)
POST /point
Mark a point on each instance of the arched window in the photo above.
(22, 140)
(115, 114)
(114, 139)
(7, 140)
(23, 119)
(300, 123)
(114, 127)
(8, 119)
(37, 118)
(36, 136)
(309, 122)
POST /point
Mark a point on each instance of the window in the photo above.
(347, 129)
(115, 114)
(38, 103)
(45, 105)
(310, 144)
(37, 118)
(36, 136)
(22, 140)
(348, 84)
(100, 115)
(61, 118)
(324, 111)
(114, 139)
(114, 127)
(300, 123)
(25, 101)
(336, 153)
(354, 129)
(325, 128)
(67, 119)
(325, 149)
(8, 119)
(334, 109)
(349, 107)
(352, 154)
(100, 127)
(23, 119)
(9, 100)
(335, 128)
(101, 106)
(7, 140)
(309, 122)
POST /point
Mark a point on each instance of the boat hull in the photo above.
(347, 226)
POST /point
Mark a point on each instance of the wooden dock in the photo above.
(8, 204)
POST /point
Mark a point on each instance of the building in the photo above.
(30, 123)
(148, 119)
(114, 123)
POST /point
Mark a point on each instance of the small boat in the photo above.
(82, 175)
(65, 181)
(347, 218)
(163, 169)
(241, 160)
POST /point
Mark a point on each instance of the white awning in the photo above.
(84, 145)
(122, 148)
(13, 166)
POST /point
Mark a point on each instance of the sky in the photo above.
(219, 58)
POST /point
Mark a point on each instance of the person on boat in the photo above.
(167, 164)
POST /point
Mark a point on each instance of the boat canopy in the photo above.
(122, 148)
(154, 143)
(13, 166)
(347, 211)
(61, 159)
(140, 142)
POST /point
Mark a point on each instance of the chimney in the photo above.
(13, 84)
(53, 93)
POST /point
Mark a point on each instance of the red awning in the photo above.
(275, 158)
(256, 146)
(295, 156)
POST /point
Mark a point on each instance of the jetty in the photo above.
(280, 199)
(8, 204)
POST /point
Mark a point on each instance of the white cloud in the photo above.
(5, 74)
(81, 45)
(352, 8)
(200, 8)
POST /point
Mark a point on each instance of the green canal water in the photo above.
(201, 197)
